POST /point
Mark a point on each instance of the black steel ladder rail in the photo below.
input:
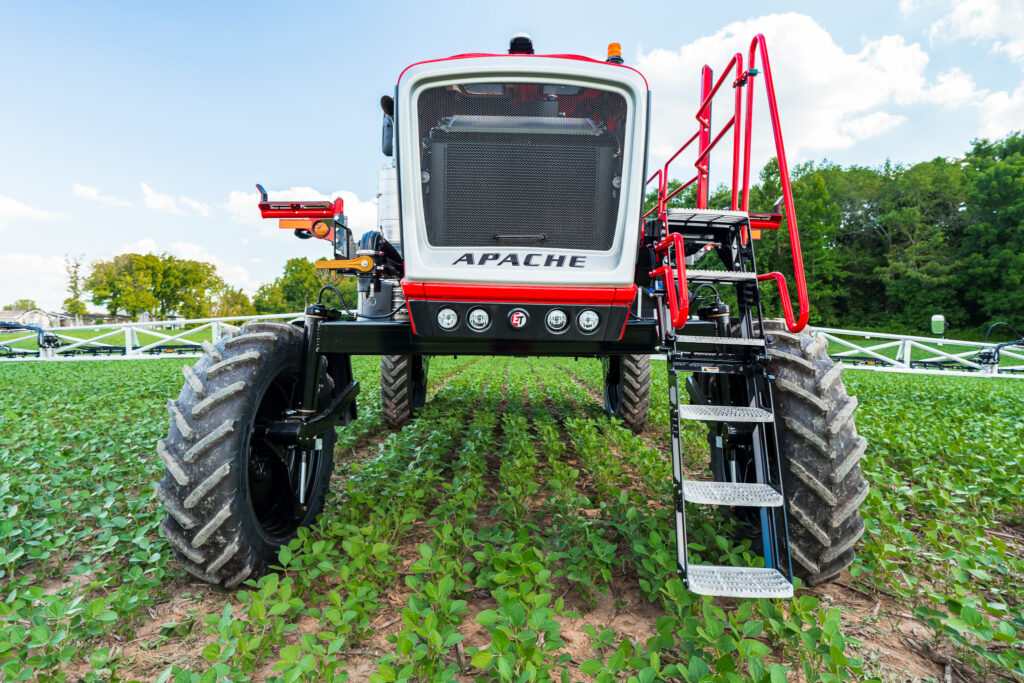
(773, 580)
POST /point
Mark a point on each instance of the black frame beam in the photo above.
(396, 338)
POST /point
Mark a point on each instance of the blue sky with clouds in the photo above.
(143, 126)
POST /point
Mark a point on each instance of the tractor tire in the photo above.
(627, 389)
(230, 500)
(403, 388)
(821, 454)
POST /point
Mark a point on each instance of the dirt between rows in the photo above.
(894, 645)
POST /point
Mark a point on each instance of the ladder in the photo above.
(730, 391)
(729, 388)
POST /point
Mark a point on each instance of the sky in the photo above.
(142, 127)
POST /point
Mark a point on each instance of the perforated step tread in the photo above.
(727, 341)
(719, 275)
(738, 582)
(708, 413)
(734, 494)
(706, 217)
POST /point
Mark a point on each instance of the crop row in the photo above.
(475, 541)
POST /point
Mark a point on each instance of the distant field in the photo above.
(510, 528)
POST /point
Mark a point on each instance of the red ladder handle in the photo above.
(797, 324)
(675, 288)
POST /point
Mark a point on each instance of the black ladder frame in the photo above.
(732, 374)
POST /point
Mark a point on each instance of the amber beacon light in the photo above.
(614, 53)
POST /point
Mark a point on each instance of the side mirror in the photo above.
(342, 241)
(387, 140)
(939, 324)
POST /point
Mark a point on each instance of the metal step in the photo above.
(728, 493)
(719, 276)
(724, 413)
(727, 341)
(705, 218)
(738, 582)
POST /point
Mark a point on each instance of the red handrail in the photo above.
(743, 80)
(794, 325)
(675, 290)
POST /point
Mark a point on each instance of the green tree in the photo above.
(921, 213)
(161, 286)
(269, 299)
(299, 284)
(187, 287)
(21, 305)
(230, 301)
(74, 305)
(126, 283)
(991, 246)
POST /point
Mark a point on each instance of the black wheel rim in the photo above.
(275, 472)
(611, 387)
(611, 398)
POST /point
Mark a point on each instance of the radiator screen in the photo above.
(517, 164)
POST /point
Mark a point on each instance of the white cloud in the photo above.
(1002, 113)
(168, 204)
(11, 210)
(39, 277)
(93, 193)
(202, 208)
(362, 215)
(159, 202)
(998, 22)
(870, 125)
(829, 98)
(953, 88)
(908, 7)
(234, 275)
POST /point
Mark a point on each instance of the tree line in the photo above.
(163, 286)
(885, 248)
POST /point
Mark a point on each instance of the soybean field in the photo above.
(511, 532)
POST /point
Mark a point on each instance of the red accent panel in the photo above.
(471, 55)
(526, 294)
(313, 209)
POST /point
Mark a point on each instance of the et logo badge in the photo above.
(517, 318)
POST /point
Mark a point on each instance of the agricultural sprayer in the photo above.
(512, 222)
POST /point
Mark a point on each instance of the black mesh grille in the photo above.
(508, 165)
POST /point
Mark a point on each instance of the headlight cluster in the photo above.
(556, 320)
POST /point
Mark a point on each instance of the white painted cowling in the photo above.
(542, 228)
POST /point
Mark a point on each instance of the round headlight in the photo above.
(588, 320)
(556, 320)
(447, 318)
(479, 319)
